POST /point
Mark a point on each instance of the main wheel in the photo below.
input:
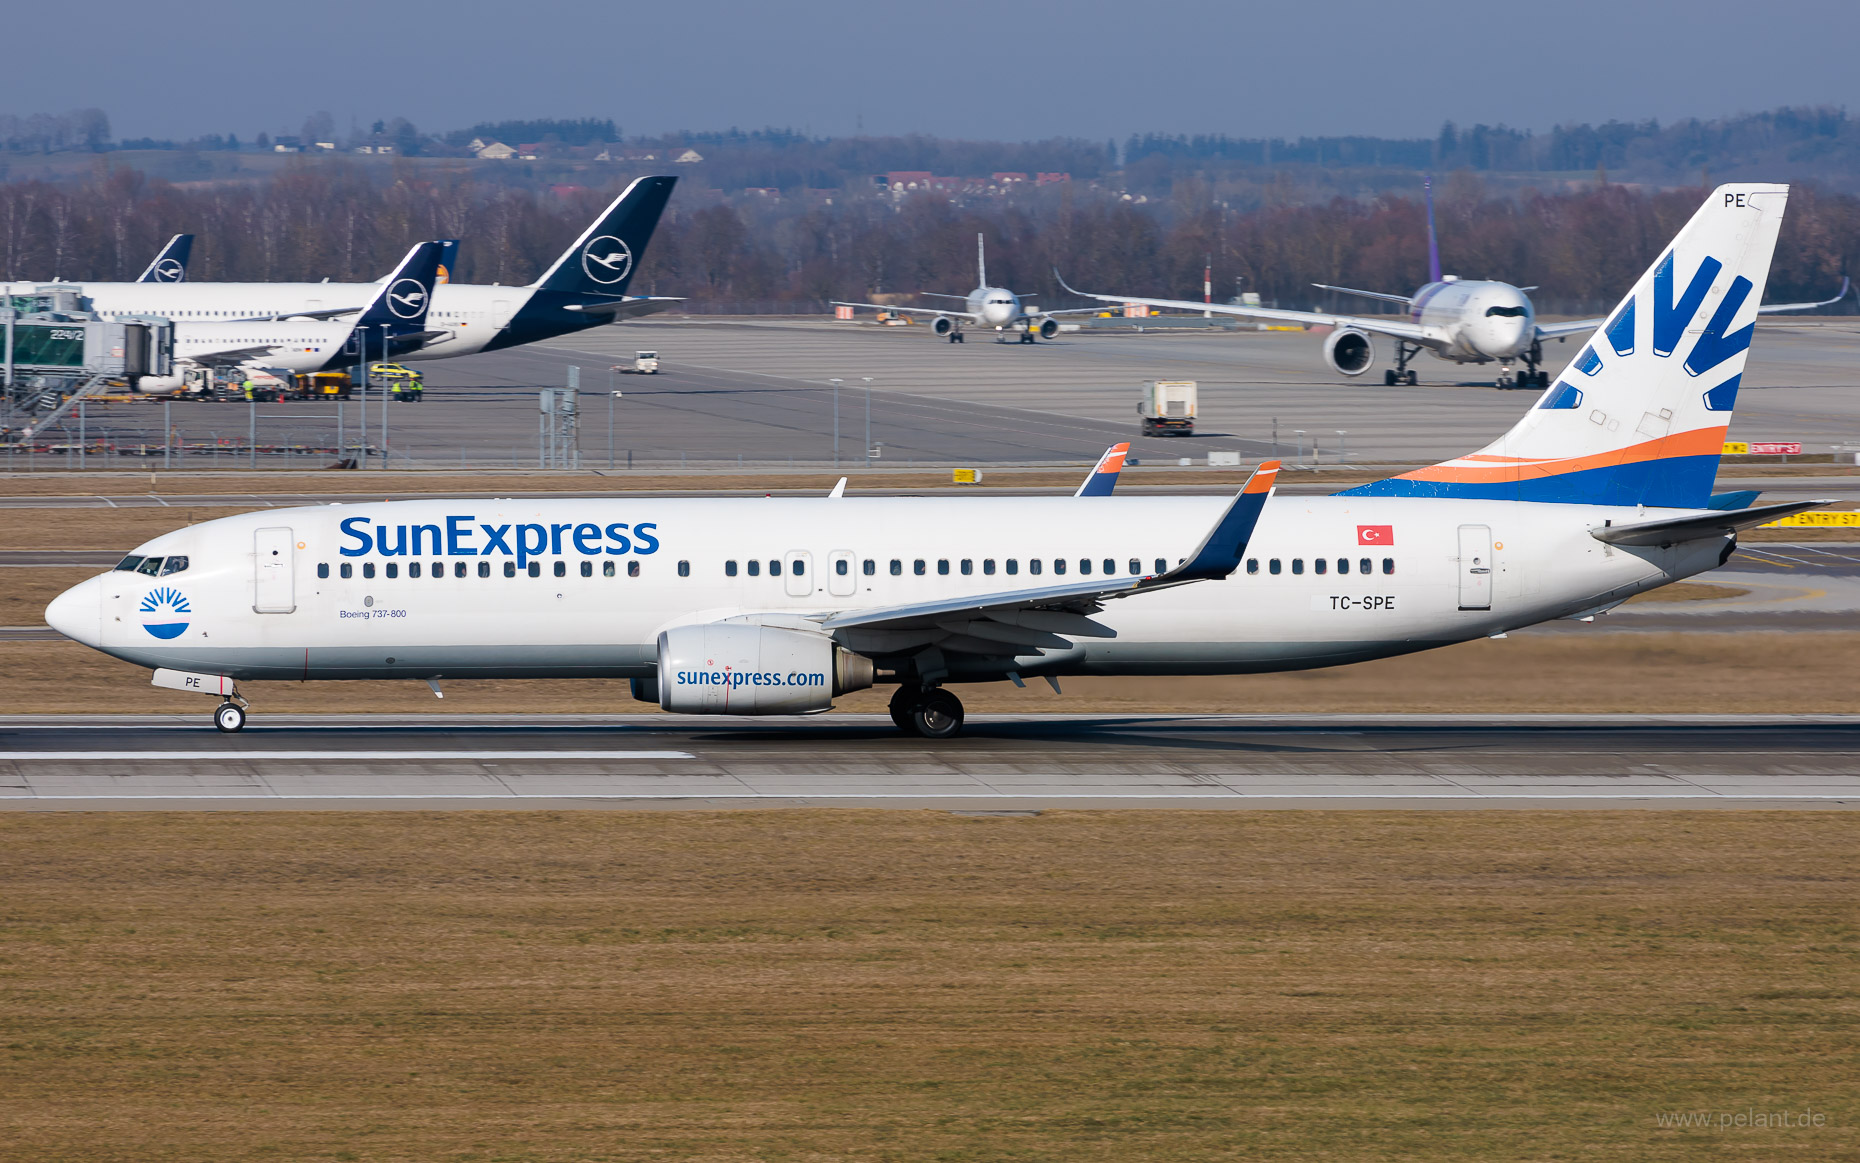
(1388, 377)
(1410, 377)
(938, 714)
(903, 701)
(229, 717)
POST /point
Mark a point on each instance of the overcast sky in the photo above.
(1003, 70)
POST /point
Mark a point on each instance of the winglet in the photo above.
(839, 490)
(1221, 550)
(1103, 477)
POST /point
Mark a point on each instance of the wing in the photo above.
(629, 308)
(909, 310)
(1717, 523)
(322, 313)
(1380, 326)
(1565, 330)
(1030, 621)
(229, 357)
(1069, 311)
(1773, 308)
(1404, 300)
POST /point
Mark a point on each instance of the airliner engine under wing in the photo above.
(743, 606)
(985, 306)
(1458, 320)
(391, 326)
(585, 287)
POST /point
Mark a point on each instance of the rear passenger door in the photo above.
(1475, 567)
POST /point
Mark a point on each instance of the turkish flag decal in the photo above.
(1375, 534)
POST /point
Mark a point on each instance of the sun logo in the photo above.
(160, 608)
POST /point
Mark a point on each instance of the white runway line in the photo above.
(195, 756)
(806, 797)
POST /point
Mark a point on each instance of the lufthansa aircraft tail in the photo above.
(394, 322)
(1639, 416)
(603, 259)
(170, 266)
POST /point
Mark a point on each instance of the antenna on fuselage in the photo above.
(1433, 243)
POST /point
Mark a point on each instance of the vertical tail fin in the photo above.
(602, 261)
(1639, 416)
(170, 266)
(1103, 476)
(1433, 240)
(401, 303)
(981, 262)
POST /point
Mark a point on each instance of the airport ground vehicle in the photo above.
(1168, 407)
(759, 606)
(324, 386)
(645, 363)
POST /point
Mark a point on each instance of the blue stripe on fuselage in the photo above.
(1681, 482)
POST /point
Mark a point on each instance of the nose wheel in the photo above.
(229, 717)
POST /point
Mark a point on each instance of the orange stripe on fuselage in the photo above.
(1699, 442)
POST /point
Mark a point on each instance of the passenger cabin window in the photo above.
(1388, 565)
(413, 569)
(1059, 565)
(347, 570)
(755, 568)
(535, 569)
(1162, 565)
(368, 569)
(587, 568)
(1033, 565)
(917, 567)
(458, 568)
(1013, 566)
(561, 569)
(729, 569)
(1084, 566)
(1110, 566)
(632, 569)
(1365, 566)
(607, 568)
(842, 567)
(988, 566)
(1298, 565)
(968, 566)
(1343, 565)
(1272, 567)
(1252, 565)
(439, 569)
(897, 567)
(510, 569)
(869, 567)
(1321, 565)
(942, 566)
(798, 568)
(684, 569)
(484, 569)
(393, 569)
(774, 567)
(1136, 566)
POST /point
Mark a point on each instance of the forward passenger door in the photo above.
(274, 589)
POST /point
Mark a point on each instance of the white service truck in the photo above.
(1167, 407)
(645, 363)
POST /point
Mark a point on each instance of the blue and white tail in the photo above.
(1639, 416)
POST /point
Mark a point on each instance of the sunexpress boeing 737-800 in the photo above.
(584, 288)
(774, 606)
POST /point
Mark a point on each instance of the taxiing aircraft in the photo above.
(170, 266)
(585, 287)
(741, 606)
(1462, 321)
(985, 306)
(389, 327)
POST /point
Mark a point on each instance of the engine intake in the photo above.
(1048, 328)
(1349, 351)
(734, 668)
(943, 325)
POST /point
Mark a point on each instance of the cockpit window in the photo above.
(174, 564)
(129, 563)
(150, 566)
(1507, 312)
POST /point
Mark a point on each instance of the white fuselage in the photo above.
(995, 306)
(470, 314)
(1476, 322)
(1396, 575)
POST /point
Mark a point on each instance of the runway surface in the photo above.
(1001, 764)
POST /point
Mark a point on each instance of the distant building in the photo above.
(494, 151)
(530, 151)
(1006, 179)
(286, 145)
(1049, 179)
(685, 157)
(328, 146)
(616, 151)
(762, 191)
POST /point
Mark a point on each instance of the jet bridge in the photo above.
(54, 350)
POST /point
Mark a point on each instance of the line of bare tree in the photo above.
(332, 220)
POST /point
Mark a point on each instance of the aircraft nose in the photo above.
(78, 612)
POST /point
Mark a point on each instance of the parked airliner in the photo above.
(392, 324)
(585, 287)
(736, 606)
(985, 306)
(1462, 321)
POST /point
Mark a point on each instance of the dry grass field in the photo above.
(815, 986)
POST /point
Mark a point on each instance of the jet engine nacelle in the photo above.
(734, 668)
(1048, 327)
(1349, 351)
(943, 325)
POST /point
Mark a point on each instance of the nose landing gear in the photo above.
(229, 716)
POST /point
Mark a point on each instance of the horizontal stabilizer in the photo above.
(1717, 523)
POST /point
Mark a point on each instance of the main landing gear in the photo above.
(1401, 373)
(931, 712)
(230, 715)
(955, 335)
